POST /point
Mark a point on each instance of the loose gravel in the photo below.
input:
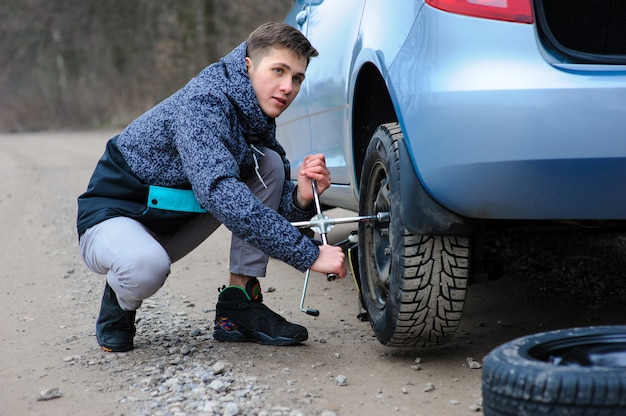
(176, 370)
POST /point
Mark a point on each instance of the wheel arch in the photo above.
(372, 106)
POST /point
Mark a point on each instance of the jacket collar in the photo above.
(240, 93)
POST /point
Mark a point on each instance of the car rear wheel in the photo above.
(576, 372)
(412, 286)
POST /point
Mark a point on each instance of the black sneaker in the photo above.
(115, 327)
(241, 316)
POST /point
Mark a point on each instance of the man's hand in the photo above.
(313, 167)
(330, 260)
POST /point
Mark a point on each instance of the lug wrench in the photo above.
(322, 224)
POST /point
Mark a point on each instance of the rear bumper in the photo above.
(500, 133)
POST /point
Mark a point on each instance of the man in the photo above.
(206, 156)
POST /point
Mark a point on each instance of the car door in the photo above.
(332, 26)
(293, 125)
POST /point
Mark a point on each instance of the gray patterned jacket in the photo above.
(199, 139)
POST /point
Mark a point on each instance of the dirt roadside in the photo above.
(49, 301)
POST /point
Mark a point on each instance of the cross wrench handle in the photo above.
(318, 209)
(310, 311)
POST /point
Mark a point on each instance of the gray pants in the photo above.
(137, 261)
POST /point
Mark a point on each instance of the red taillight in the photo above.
(509, 10)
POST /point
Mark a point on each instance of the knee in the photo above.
(152, 268)
(141, 274)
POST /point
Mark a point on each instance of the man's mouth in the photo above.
(281, 101)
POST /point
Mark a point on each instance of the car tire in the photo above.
(574, 372)
(413, 287)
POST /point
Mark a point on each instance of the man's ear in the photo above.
(248, 63)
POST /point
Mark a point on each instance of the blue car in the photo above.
(450, 115)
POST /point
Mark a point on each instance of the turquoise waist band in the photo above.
(172, 199)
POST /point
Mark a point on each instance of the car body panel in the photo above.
(328, 102)
(495, 126)
(501, 133)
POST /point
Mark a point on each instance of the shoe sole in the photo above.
(116, 349)
(221, 335)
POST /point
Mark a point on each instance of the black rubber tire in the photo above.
(574, 372)
(412, 286)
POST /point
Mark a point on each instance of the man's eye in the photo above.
(297, 80)
(278, 70)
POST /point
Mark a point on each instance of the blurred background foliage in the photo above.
(76, 64)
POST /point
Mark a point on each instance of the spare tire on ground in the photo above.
(574, 372)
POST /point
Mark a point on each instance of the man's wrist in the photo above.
(300, 202)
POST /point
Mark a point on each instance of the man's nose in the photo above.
(286, 86)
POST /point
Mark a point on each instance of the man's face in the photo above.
(276, 79)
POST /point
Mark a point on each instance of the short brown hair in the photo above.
(279, 36)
